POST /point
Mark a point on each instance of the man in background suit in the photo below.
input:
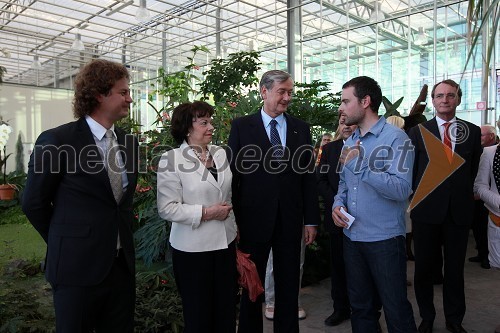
(275, 197)
(78, 196)
(328, 184)
(446, 212)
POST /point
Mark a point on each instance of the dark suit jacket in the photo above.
(328, 180)
(261, 194)
(69, 200)
(456, 192)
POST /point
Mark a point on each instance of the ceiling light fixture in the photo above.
(77, 43)
(421, 38)
(36, 64)
(338, 55)
(253, 45)
(142, 14)
(5, 52)
(455, 52)
(377, 14)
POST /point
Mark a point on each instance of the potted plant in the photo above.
(7, 191)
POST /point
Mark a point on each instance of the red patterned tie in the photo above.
(447, 141)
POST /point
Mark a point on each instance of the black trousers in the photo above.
(107, 307)
(337, 274)
(480, 229)
(427, 241)
(207, 283)
(286, 269)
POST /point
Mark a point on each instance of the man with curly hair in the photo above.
(78, 196)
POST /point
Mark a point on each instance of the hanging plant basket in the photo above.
(7, 191)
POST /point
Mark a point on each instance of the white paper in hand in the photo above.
(349, 217)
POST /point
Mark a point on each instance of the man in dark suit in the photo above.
(443, 203)
(274, 197)
(328, 184)
(78, 196)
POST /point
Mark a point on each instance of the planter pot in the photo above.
(7, 192)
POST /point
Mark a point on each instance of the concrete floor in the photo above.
(482, 292)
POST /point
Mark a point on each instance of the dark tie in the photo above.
(447, 141)
(275, 140)
(114, 170)
(496, 168)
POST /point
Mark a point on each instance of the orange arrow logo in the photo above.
(438, 169)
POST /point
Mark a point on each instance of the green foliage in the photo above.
(19, 154)
(314, 104)
(22, 308)
(151, 233)
(151, 239)
(232, 83)
(158, 304)
(178, 87)
(26, 304)
(230, 78)
(12, 215)
(20, 241)
(129, 125)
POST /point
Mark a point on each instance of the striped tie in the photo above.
(275, 140)
(114, 170)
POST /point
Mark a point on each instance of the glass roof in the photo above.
(110, 29)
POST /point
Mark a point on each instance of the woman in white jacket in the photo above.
(194, 193)
(486, 187)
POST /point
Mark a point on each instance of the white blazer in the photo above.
(185, 186)
(485, 185)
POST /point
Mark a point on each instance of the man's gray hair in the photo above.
(270, 77)
(491, 129)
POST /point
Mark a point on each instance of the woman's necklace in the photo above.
(200, 157)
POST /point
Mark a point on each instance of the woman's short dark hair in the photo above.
(95, 78)
(184, 115)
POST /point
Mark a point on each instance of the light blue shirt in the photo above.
(375, 187)
(281, 126)
(99, 132)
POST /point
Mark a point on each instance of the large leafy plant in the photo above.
(315, 104)
(232, 85)
(178, 87)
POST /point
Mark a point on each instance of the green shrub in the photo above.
(12, 214)
(158, 304)
(26, 306)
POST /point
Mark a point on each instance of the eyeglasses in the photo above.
(449, 96)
